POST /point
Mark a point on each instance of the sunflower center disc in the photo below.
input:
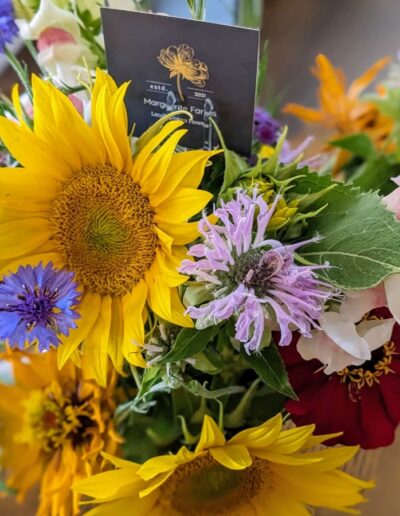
(104, 229)
(204, 487)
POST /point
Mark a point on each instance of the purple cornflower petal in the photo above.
(8, 27)
(266, 129)
(252, 278)
(37, 305)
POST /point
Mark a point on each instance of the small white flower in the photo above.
(344, 338)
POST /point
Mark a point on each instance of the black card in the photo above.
(205, 68)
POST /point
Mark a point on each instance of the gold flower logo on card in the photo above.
(179, 60)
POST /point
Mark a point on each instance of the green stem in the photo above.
(20, 71)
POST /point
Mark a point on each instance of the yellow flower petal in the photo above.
(19, 184)
(96, 343)
(89, 311)
(116, 333)
(211, 436)
(291, 441)
(333, 457)
(260, 436)
(147, 151)
(142, 506)
(304, 113)
(289, 460)
(359, 84)
(17, 104)
(182, 233)
(134, 304)
(186, 169)
(182, 204)
(155, 483)
(156, 167)
(30, 150)
(22, 236)
(121, 463)
(110, 484)
(235, 456)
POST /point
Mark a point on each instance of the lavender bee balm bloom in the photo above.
(253, 279)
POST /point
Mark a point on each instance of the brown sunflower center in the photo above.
(370, 372)
(203, 487)
(104, 229)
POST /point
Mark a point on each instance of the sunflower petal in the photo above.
(211, 436)
(96, 343)
(183, 204)
(22, 236)
(89, 311)
(235, 456)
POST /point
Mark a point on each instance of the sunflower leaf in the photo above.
(189, 342)
(361, 238)
(269, 366)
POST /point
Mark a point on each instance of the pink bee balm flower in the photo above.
(253, 279)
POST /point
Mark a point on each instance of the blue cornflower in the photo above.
(37, 305)
(8, 27)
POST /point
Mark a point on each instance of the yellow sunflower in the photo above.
(54, 425)
(260, 471)
(119, 223)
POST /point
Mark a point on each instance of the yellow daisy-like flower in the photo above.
(54, 425)
(119, 223)
(341, 108)
(260, 471)
(180, 62)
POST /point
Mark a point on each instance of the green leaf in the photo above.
(361, 239)
(189, 342)
(376, 174)
(235, 166)
(271, 166)
(269, 366)
(196, 388)
(358, 144)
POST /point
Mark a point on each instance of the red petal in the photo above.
(390, 389)
(377, 427)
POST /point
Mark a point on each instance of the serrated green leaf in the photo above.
(376, 174)
(358, 144)
(189, 342)
(361, 239)
(269, 366)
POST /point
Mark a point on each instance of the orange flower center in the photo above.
(371, 371)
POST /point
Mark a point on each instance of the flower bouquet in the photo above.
(190, 331)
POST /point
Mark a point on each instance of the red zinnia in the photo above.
(363, 401)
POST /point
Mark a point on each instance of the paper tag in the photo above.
(207, 69)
